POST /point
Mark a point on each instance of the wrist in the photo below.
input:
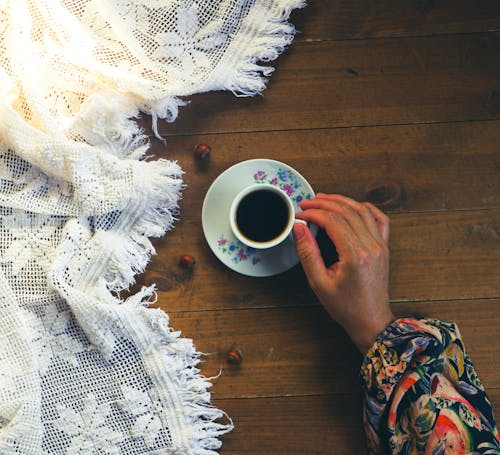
(364, 335)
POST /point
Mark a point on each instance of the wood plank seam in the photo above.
(155, 140)
(391, 37)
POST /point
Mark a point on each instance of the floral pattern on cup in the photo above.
(237, 250)
(286, 181)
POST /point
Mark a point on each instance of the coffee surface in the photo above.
(262, 215)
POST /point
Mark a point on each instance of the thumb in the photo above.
(308, 252)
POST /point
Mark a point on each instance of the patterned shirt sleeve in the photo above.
(422, 393)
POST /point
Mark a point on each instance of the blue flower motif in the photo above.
(237, 251)
(282, 175)
(299, 198)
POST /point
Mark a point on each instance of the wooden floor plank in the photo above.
(453, 255)
(334, 19)
(442, 255)
(437, 166)
(366, 82)
(301, 351)
(282, 426)
(300, 425)
(296, 390)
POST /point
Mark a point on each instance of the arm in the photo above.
(422, 393)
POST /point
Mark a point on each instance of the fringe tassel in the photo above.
(165, 109)
(109, 122)
(265, 44)
(129, 250)
(173, 356)
(177, 358)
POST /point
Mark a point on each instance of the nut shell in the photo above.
(201, 151)
(187, 261)
(234, 356)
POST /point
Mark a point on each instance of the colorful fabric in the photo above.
(423, 395)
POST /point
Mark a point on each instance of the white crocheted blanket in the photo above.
(82, 371)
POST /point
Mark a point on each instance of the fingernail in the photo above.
(299, 231)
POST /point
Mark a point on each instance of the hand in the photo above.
(353, 290)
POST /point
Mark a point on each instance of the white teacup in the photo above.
(262, 216)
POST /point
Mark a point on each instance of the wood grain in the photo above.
(445, 256)
(434, 256)
(301, 351)
(431, 163)
(389, 91)
(395, 81)
(325, 424)
(296, 425)
(334, 19)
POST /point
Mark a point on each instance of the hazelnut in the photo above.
(187, 261)
(234, 356)
(202, 151)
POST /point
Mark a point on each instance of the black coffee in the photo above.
(262, 215)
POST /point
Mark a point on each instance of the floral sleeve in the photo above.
(423, 394)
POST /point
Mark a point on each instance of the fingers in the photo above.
(336, 227)
(366, 220)
(358, 230)
(376, 221)
(309, 254)
(381, 219)
(349, 213)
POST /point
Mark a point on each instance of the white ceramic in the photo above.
(234, 208)
(215, 216)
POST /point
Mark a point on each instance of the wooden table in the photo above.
(388, 91)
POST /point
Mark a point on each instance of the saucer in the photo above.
(215, 216)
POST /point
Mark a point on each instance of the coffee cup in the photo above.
(262, 216)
